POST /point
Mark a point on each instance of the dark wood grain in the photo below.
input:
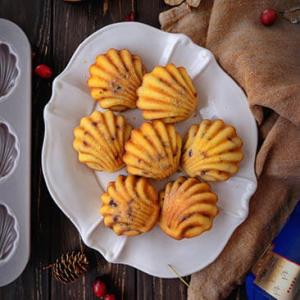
(55, 29)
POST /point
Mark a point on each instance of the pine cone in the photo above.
(70, 266)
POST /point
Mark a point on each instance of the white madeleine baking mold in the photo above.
(76, 189)
(15, 141)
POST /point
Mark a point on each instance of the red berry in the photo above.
(99, 288)
(130, 16)
(110, 297)
(43, 71)
(268, 17)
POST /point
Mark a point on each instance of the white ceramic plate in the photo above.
(76, 189)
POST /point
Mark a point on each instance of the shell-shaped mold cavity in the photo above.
(188, 208)
(100, 140)
(9, 151)
(212, 151)
(8, 71)
(130, 206)
(153, 150)
(115, 77)
(8, 233)
(168, 94)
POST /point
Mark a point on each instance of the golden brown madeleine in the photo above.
(130, 206)
(100, 140)
(212, 151)
(188, 207)
(153, 150)
(115, 77)
(168, 94)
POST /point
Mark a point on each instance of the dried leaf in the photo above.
(105, 7)
(193, 3)
(168, 18)
(292, 15)
(173, 2)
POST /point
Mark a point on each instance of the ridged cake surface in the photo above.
(212, 151)
(188, 207)
(153, 150)
(100, 140)
(168, 94)
(130, 206)
(114, 79)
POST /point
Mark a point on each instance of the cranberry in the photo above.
(43, 71)
(99, 288)
(268, 17)
(130, 16)
(110, 297)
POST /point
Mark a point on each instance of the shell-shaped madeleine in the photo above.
(115, 77)
(212, 151)
(100, 139)
(188, 207)
(168, 94)
(153, 150)
(130, 206)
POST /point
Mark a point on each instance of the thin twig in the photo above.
(81, 245)
(294, 9)
(178, 275)
(48, 267)
(105, 7)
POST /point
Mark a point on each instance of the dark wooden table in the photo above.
(55, 29)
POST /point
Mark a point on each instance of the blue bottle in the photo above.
(279, 276)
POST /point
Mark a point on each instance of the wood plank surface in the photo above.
(55, 29)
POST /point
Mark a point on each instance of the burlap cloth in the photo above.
(265, 61)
